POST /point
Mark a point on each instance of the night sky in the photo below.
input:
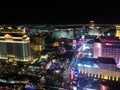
(63, 13)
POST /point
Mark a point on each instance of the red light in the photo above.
(74, 82)
(102, 87)
(62, 42)
(108, 44)
(72, 74)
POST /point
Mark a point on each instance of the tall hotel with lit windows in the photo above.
(108, 47)
(14, 45)
(118, 31)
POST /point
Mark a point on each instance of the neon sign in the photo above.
(110, 40)
(108, 44)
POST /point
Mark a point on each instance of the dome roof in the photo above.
(7, 36)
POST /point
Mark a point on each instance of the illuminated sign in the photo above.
(108, 44)
(110, 40)
(84, 65)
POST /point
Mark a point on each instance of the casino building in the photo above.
(14, 45)
(108, 47)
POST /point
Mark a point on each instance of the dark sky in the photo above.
(63, 13)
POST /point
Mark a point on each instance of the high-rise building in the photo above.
(94, 29)
(117, 31)
(92, 23)
(14, 45)
(108, 47)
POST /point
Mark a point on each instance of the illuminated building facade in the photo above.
(62, 33)
(108, 47)
(92, 23)
(118, 31)
(104, 68)
(37, 43)
(14, 46)
(94, 29)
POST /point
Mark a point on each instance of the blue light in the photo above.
(84, 65)
(80, 65)
(108, 34)
(89, 66)
(76, 72)
(30, 89)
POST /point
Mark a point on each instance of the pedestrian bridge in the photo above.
(100, 73)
